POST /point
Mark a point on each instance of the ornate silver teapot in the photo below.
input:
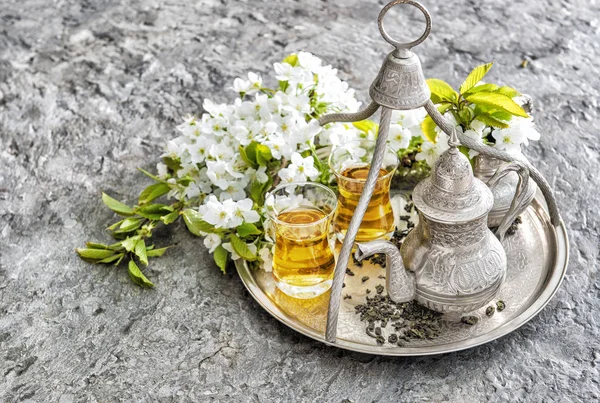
(451, 262)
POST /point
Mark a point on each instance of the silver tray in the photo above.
(537, 261)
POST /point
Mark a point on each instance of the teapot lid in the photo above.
(452, 194)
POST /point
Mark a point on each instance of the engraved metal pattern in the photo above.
(457, 235)
(457, 261)
(400, 84)
(537, 261)
(451, 193)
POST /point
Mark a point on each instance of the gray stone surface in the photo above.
(89, 90)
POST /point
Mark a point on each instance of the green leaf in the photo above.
(111, 259)
(475, 76)
(247, 229)
(465, 116)
(172, 163)
(246, 159)
(443, 108)
(483, 88)
(292, 60)
(153, 191)
(156, 252)
(93, 245)
(154, 211)
(500, 115)
(442, 90)
(367, 126)
(195, 224)
(137, 276)
(170, 218)
(258, 154)
(116, 205)
(140, 251)
(116, 246)
(263, 155)
(497, 101)
(428, 128)
(94, 254)
(258, 190)
(241, 248)
(221, 255)
(491, 121)
(129, 225)
(115, 225)
(118, 262)
(508, 91)
(129, 243)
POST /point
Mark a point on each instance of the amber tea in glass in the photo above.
(350, 163)
(303, 260)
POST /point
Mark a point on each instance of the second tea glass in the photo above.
(303, 260)
(350, 162)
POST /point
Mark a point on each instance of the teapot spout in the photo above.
(400, 283)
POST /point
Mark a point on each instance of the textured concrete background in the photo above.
(91, 89)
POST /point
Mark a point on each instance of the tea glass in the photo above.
(301, 216)
(350, 162)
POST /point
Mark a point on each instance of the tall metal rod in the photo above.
(342, 263)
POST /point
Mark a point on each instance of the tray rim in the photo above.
(552, 285)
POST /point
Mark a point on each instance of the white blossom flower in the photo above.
(430, 152)
(509, 140)
(289, 174)
(399, 137)
(161, 169)
(305, 167)
(242, 212)
(215, 213)
(241, 86)
(234, 256)
(250, 86)
(227, 246)
(525, 126)
(477, 137)
(212, 242)
(267, 259)
(217, 173)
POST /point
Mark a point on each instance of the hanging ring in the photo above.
(392, 41)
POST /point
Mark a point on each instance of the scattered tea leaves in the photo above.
(469, 320)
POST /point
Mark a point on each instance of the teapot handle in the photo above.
(520, 200)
